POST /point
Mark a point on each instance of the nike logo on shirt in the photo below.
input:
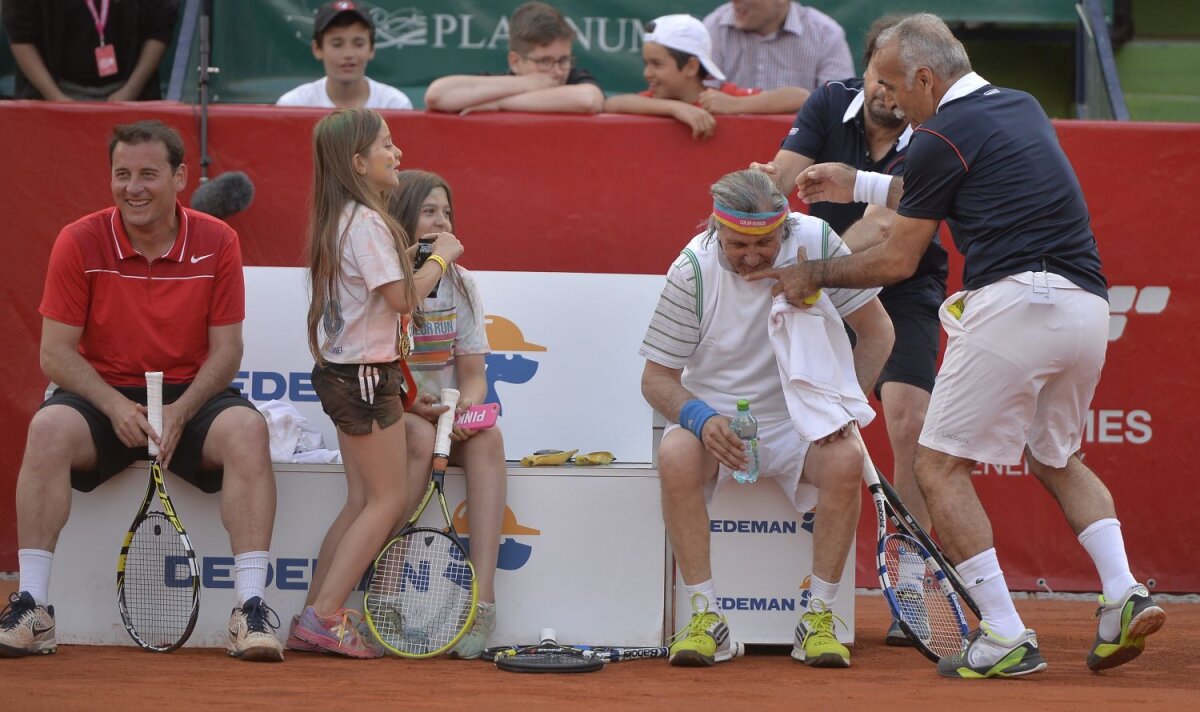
(201, 258)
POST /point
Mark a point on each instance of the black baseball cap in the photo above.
(331, 10)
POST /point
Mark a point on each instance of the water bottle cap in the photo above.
(743, 404)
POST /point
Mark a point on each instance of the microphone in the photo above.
(224, 195)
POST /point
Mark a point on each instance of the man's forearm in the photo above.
(665, 394)
(456, 93)
(784, 100)
(29, 59)
(574, 99)
(148, 61)
(638, 104)
(871, 352)
(68, 369)
(873, 267)
(870, 230)
(213, 377)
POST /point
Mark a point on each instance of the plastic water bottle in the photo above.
(746, 427)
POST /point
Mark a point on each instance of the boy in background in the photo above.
(687, 85)
(344, 41)
(542, 74)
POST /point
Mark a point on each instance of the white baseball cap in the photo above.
(686, 34)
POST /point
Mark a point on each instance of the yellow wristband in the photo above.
(440, 261)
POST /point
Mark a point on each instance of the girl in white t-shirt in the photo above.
(449, 348)
(363, 291)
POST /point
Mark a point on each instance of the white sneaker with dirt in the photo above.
(471, 645)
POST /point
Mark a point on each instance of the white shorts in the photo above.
(781, 453)
(1017, 371)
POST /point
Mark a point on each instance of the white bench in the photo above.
(594, 570)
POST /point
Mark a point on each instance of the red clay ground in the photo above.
(1166, 677)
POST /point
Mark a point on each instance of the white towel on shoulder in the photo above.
(816, 366)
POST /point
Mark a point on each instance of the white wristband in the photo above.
(872, 188)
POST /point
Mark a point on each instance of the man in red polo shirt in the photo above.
(146, 285)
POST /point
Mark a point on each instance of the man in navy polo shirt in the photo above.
(1027, 336)
(847, 122)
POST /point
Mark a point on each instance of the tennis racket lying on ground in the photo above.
(549, 656)
(421, 593)
(158, 579)
(915, 583)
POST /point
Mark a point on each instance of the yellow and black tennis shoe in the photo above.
(705, 639)
(989, 655)
(816, 643)
(1138, 618)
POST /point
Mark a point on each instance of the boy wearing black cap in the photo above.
(344, 41)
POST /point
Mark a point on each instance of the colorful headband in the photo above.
(748, 223)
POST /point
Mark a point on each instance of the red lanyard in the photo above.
(100, 17)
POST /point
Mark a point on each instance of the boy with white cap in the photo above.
(685, 84)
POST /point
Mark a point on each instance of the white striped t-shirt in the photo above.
(678, 326)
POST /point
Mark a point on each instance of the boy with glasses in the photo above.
(542, 73)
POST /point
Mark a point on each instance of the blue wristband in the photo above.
(694, 414)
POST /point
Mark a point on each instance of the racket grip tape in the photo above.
(154, 406)
(441, 444)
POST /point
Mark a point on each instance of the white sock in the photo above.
(706, 589)
(985, 583)
(1106, 546)
(250, 575)
(35, 573)
(821, 590)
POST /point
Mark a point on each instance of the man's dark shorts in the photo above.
(914, 355)
(355, 395)
(112, 454)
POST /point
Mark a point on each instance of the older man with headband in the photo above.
(709, 344)
(1027, 335)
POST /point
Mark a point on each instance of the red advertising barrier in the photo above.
(623, 194)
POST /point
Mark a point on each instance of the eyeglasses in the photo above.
(547, 63)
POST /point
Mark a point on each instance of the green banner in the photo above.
(262, 47)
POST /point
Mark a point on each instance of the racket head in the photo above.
(158, 583)
(605, 654)
(921, 597)
(548, 658)
(905, 522)
(421, 594)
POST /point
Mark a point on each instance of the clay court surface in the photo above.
(1166, 677)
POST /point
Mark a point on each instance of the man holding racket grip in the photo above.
(146, 285)
(706, 347)
(1026, 337)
